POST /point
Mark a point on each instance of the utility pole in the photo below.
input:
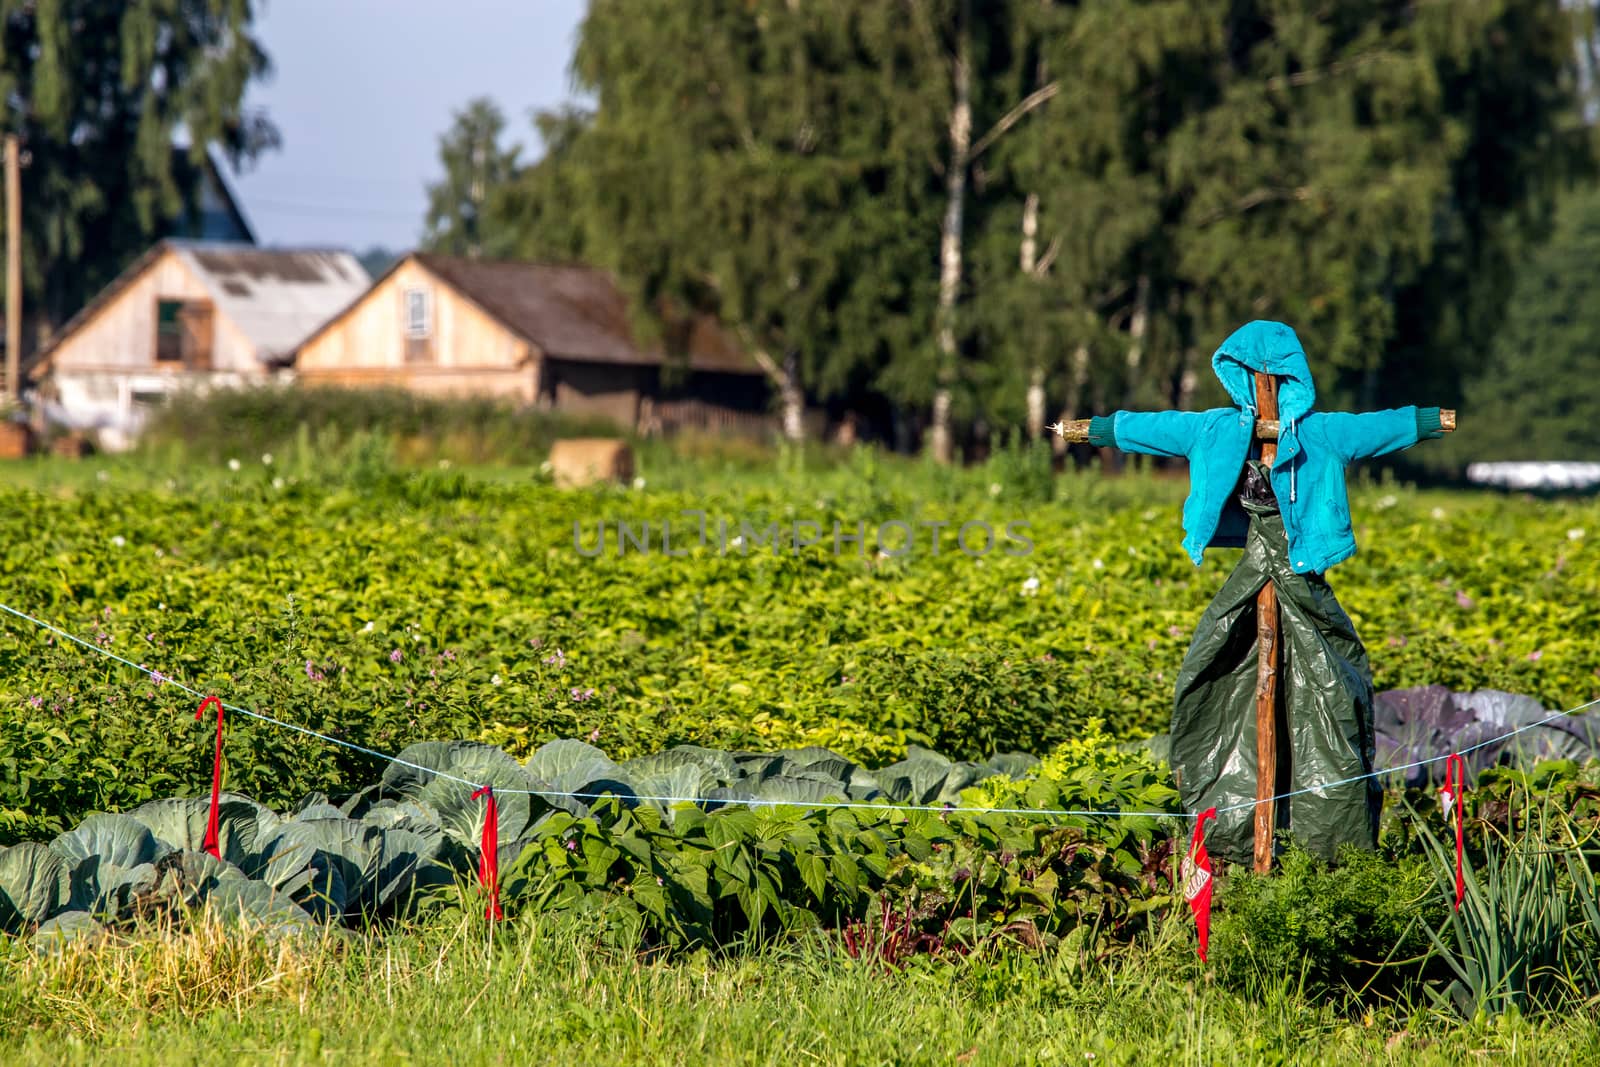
(13, 269)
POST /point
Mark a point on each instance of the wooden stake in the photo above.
(1266, 665)
(13, 268)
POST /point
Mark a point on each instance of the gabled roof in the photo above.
(570, 312)
(275, 297)
(216, 214)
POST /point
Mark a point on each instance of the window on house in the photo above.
(183, 333)
(169, 331)
(419, 313)
(418, 325)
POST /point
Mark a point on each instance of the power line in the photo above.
(327, 210)
(349, 179)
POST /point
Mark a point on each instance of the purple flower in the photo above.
(571, 845)
(1174, 631)
(447, 654)
(314, 674)
(395, 656)
(159, 678)
(580, 695)
(36, 701)
(1535, 656)
(1463, 601)
(556, 659)
(594, 735)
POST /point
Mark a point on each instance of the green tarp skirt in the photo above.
(1325, 732)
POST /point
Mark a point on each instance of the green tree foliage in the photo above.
(539, 214)
(780, 179)
(474, 164)
(1538, 395)
(377, 259)
(96, 91)
(1142, 177)
(1342, 169)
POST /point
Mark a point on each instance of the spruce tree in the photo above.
(97, 91)
(1538, 394)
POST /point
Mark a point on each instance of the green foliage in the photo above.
(1348, 929)
(781, 181)
(97, 91)
(1090, 771)
(1181, 169)
(261, 583)
(970, 703)
(314, 428)
(1543, 378)
(1524, 936)
(474, 163)
(665, 859)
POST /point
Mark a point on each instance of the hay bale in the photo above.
(71, 445)
(16, 440)
(579, 461)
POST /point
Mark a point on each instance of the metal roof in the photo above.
(275, 297)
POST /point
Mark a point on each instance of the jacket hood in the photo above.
(1272, 348)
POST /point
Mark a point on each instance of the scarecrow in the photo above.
(1274, 699)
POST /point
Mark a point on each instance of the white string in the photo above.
(160, 677)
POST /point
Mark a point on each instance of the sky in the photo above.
(361, 91)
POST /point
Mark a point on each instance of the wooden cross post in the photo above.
(1268, 635)
(1266, 664)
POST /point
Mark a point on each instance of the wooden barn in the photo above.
(550, 336)
(187, 314)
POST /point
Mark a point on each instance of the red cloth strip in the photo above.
(213, 823)
(1452, 795)
(1195, 872)
(489, 854)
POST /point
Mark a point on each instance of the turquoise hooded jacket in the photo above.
(1313, 449)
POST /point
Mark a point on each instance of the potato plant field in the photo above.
(634, 666)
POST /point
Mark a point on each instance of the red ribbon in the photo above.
(213, 823)
(489, 854)
(1195, 871)
(1451, 795)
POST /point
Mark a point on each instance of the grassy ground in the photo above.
(542, 993)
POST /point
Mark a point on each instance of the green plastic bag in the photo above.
(1325, 691)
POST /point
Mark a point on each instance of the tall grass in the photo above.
(541, 990)
(228, 423)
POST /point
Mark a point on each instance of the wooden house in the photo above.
(187, 314)
(549, 336)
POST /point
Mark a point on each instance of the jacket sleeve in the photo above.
(1156, 433)
(1377, 433)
